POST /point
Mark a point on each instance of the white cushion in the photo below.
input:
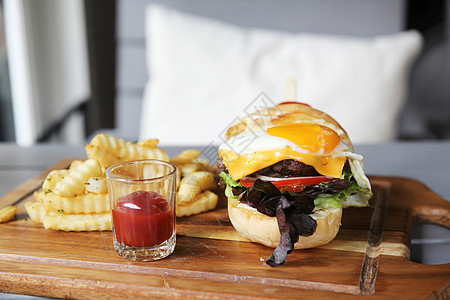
(205, 74)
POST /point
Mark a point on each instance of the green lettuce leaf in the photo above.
(352, 195)
(230, 184)
(325, 201)
(293, 209)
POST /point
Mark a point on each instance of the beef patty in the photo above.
(284, 168)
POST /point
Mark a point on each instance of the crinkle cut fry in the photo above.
(52, 178)
(184, 157)
(35, 211)
(78, 222)
(8, 213)
(204, 202)
(96, 185)
(85, 203)
(192, 167)
(73, 183)
(193, 185)
(108, 150)
(68, 222)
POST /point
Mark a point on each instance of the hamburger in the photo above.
(288, 171)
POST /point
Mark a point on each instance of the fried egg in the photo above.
(312, 144)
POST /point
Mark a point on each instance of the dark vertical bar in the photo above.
(375, 237)
(447, 34)
(101, 36)
(431, 19)
(6, 110)
(422, 15)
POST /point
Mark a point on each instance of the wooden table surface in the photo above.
(424, 160)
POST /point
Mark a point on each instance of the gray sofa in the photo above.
(427, 111)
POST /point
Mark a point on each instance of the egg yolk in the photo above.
(310, 137)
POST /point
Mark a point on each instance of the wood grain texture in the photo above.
(212, 261)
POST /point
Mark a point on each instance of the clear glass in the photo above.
(142, 197)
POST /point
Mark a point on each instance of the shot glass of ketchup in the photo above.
(142, 198)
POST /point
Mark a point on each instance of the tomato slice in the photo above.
(247, 181)
(293, 102)
(293, 184)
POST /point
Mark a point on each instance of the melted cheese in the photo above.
(240, 165)
(311, 144)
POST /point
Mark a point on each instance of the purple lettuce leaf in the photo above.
(292, 215)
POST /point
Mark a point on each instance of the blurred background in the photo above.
(71, 68)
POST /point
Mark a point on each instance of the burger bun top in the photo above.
(286, 113)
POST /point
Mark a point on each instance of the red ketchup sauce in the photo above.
(143, 219)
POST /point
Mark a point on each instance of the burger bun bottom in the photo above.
(263, 229)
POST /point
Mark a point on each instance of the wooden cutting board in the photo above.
(370, 256)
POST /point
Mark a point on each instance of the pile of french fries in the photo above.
(76, 199)
(195, 182)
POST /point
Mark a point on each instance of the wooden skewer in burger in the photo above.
(287, 172)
